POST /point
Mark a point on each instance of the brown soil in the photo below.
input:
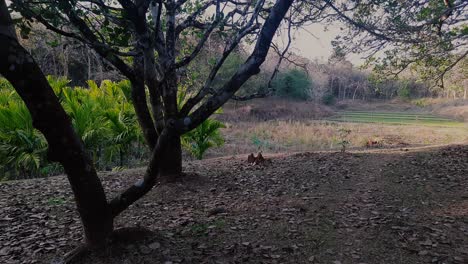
(380, 206)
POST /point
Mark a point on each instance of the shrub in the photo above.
(422, 102)
(205, 136)
(343, 138)
(328, 99)
(101, 115)
(22, 148)
(294, 84)
(404, 91)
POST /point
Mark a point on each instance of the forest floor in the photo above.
(372, 206)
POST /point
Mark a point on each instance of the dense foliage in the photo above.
(205, 136)
(22, 148)
(428, 37)
(103, 117)
(293, 84)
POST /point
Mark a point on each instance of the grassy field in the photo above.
(309, 135)
(399, 118)
(246, 131)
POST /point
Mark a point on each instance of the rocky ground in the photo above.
(381, 206)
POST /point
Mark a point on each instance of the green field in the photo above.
(395, 118)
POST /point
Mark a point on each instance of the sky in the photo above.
(314, 42)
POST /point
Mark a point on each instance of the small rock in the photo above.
(217, 210)
(312, 259)
(145, 250)
(4, 251)
(154, 245)
(423, 253)
(426, 243)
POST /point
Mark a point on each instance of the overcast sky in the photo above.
(314, 42)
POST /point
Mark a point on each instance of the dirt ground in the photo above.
(381, 206)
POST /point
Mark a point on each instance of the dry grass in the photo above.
(292, 136)
(273, 109)
(274, 125)
(457, 109)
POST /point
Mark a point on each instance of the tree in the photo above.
(48, 116)
(150, 43)
(293, 84)
(429, 36)
(307, 12)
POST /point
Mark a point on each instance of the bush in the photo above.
(294, 84)
(101, 115)
(22, 148)
(328, 99)
(422, 102)
(205, 136)
(404, 91)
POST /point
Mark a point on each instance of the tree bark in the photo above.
(145, 120)
(48, 116)
(170, 168)
(143, 186)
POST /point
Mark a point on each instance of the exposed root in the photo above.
(76, 254)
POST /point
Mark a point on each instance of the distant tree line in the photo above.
(327, 82)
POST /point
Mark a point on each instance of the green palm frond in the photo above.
(102, 116)
(205, 136)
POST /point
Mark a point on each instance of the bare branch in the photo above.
(249, 68)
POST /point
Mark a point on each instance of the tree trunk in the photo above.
(48, 116)
(170, 168)
(355, 91)
(141, 106)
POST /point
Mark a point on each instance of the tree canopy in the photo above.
(429, 36)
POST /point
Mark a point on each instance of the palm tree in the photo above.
(205, 136)
(22, 148)
(124, 132)
(87, 119)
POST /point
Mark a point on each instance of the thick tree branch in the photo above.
(232, 44)
(249, 68)
(143, 186)
(281, 56)
(201, 43)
